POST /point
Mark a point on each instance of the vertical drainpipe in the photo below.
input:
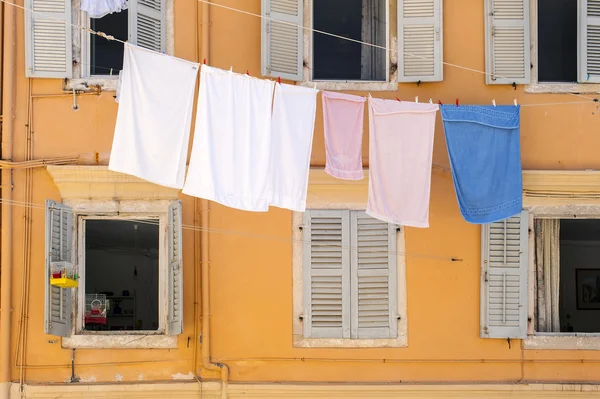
(9, 76)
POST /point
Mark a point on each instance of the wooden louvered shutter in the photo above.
(504, 278)
(420, 41)
(48, 42)
(57, 309)
(326, 264)
(282, 39)
(175, 270)
(373, 276)
(147, 24)
(507, 55)
(589, 41)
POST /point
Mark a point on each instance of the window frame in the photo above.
(391, 82)
(555, 340)
(551, 87)
(298, 289)
(134, 209)
(82, 80)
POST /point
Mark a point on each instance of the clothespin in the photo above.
(457, 102)
(110, 72)
(417, 99)
(247, 73)
(398, 100)
(279, 80)
(514, 85)
(315, 86)
(430, 102)
(204, 62)
(515, 102)
(231, 69)
(494, 102)
(440, 103)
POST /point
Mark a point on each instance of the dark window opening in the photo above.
(121, 275)
(557, 41)
(338, 59)
(580, 275)
(107, 55)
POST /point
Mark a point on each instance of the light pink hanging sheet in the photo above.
(343, 116)
(400, 155)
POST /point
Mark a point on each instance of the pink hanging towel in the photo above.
(343, 116)
(400, 156)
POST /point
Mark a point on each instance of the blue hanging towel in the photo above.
(485, 157)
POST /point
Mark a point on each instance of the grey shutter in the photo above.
(59, 232)
(48, 42)
(373, 276)
(326, 264)
(420, 41)
(282, 39)
(147, 24)
(175, 270)
(504, 278)
(589, 41)
(507, 44)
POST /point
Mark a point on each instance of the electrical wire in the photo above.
(239, 233)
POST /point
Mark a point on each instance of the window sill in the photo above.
(557, 88)
(108, 83)
(352, 85)
(301, 342)
(120, 342)
(560, 341)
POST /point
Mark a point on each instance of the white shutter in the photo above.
(504, 271)
(589, 41)
(49, 49)
(507, 43)
(147, 24)
(282, 39)
(326, 264)
(373, 276)
(420, 51)
(175, 269)
(57, 309)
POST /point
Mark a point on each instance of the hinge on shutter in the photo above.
(493, 31)
(485, 330)
(485, 278)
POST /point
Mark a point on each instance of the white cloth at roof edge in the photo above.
(400, 156)
(293, 126)
(229, 163)
(154, 117)
(101, 8)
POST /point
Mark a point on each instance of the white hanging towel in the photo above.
(400, 155)
(101, 8)
(232, 140)
(154, 118)
(119, 84)
(294, 110)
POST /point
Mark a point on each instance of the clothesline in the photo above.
(237, 233)
(112, 38)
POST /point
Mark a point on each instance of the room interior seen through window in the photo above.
(121, 274)
(106, 56)
(337, 59)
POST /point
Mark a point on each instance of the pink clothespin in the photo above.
(279, 80)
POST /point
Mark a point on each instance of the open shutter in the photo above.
(373, 276)
(507, 43)
(49, 49)
(282, 39)
(504, 278)
(147, 21)
(589, 41)
(326, 263)
(175, 270)
(57, 309)
(420, 41)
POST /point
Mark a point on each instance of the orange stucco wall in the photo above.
(251, 277)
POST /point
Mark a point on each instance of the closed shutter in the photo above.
(175, 269)
(507, 55)
(504, 278)
(589, 41)
(57, 309)
(49, 49)
(420, 41)
(147, 21)
(282, 39)
(373, 276)
(326, 263)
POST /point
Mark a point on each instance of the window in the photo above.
(106, 57)
(349, 276)
(335, 61)
(129, 264)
